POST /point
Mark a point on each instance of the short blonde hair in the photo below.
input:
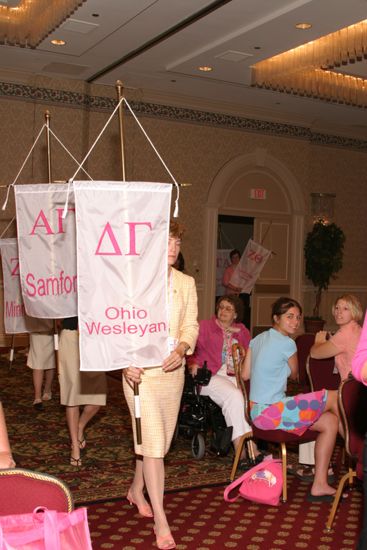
(354, 306)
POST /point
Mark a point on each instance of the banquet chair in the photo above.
(352, 401)
(271, 436)
(322, 375)
(304, 342)
(21, 491)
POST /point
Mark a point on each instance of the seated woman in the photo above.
(342, 345)
(214, 345)
(270, 360)
(6, 458)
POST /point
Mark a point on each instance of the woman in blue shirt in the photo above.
(270, 360)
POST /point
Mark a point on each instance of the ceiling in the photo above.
(156, 46)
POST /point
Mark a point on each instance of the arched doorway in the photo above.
(278, 223)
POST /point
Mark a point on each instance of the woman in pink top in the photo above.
(347, 312)
(359, 361)
(214, 345)
(359, 370)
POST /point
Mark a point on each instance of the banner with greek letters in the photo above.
(47, 252)
(249, 268)
(223, 261)
(15, 319)
(123, 300)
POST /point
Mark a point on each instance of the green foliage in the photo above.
(323, 251)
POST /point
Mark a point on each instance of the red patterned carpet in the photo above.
(199, 517)
(201, 520)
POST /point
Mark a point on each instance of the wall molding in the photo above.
(23, 92)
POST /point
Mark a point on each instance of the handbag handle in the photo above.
(51, 531)
(244, 476)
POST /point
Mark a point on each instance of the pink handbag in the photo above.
(263, 483)
(45, 530)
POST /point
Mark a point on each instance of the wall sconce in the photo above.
(322, 207)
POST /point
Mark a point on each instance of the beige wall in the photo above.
(195, 146)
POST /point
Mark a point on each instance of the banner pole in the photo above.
(49, 176)
(120, 95)
(11, 352)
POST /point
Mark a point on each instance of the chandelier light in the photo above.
(312, 69)
(26, 23)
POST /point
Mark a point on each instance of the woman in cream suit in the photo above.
(160, 395)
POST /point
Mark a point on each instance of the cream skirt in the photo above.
(160, 398)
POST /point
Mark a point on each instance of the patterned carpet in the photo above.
(201, 520)
(40, 442)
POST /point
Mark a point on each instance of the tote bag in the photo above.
(45, 530)
(263, 483)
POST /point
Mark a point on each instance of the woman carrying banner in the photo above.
(77, 389)
(160, 395)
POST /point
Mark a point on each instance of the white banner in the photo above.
(223, 261)
(122, 240)
(47, 251)
(15, 319)
(249, 268)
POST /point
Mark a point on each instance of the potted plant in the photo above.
(323, 252)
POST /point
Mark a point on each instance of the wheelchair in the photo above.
(199, 415)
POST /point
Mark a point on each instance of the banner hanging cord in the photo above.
(7, 227)
(21, 169)
(80, 166)
(175, 214)
(69, 153)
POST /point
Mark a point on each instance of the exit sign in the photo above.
(258, 194)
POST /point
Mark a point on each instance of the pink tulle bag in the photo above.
(45, 530)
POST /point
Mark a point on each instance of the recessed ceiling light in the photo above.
(58, 42)
(205, 69)
(303, 26)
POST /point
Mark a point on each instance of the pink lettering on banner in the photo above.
(122, 313)
(255, 257)
(125, 328)
(14, 271)
(37, 224)
(12, 309)
(43, 223)
(60, 219)
(50, 286)
(132, 236)
(114, 248)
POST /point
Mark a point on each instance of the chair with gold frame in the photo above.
(352, 401)
(21, 491)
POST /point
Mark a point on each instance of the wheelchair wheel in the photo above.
(198, 446)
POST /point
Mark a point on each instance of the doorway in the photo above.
(234, 233)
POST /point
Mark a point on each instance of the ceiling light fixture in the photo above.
(205, 68)
(58, 42)
(311, 69)
(303, 26)
(29, 23)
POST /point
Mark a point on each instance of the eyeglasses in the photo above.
(226, 308)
